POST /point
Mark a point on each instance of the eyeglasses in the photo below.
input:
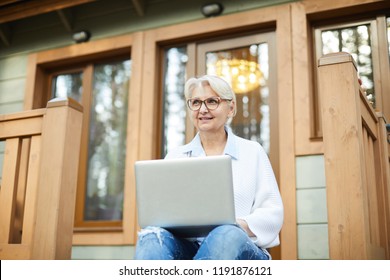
(211, 103)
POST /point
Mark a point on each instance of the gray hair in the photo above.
(217, 84)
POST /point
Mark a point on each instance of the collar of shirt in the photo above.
(195, 149)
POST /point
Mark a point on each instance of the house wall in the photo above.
(38, 35)
(310, 191)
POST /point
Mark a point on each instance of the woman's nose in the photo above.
(203, 107)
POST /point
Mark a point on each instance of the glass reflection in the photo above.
(174, 118)
(356, 41)
(68, 85)
(388, 34)
(2, 147)
(107, 142)
(247, 71)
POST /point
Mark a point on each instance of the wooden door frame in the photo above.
(256, 20)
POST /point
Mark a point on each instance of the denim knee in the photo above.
(229, 231)
(223, 242)
(151, 243)
(236, 244)
(158, 243)
(156, 233)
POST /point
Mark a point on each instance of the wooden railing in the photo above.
(356, 164)
(39, 178)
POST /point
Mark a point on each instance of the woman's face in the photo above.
(206, 120)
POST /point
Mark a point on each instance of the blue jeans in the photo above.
(225, 242)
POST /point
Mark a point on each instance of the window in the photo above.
(174, 119)
(246, 69)
(246, 62)
(102, 89)
(68, 85)
(2, 146)
(107, 142)
(356, 40)
(371, 52)
(388, 35)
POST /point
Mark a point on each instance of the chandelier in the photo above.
(243, 75)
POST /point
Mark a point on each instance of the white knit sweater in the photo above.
(256, 194)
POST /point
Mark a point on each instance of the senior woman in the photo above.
(258, 205)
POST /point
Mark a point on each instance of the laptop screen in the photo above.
(189, 196)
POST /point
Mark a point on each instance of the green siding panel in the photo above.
(313, 242)
(12, 91)
(312, 227)
(311, 206)
(310, 172)
(13, 67)
(102, 252)
(8, 108)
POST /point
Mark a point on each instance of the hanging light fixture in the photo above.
(243, 75)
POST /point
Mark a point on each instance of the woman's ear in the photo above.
(231, 109)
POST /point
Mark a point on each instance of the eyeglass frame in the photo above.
(205, 104)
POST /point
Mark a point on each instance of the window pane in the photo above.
(68, 85)
(388, 34)
(107, 142)
(2, 147)
(247, 70)
(355, 40)
(174, 101)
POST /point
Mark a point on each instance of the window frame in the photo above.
(196, 51)
(380, 64)
(41, 67)
(87, 70)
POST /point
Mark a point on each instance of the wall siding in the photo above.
(312, 221)
(12, 85)
(313, 242)
(11, 95)
(102, 252)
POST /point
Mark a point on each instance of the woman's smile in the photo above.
(205, 118)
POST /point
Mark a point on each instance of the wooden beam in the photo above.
(8, 2)
(33, 8)
(139, 6)
(66, 19)
(5, 34)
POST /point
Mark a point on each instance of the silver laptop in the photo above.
(188, 196)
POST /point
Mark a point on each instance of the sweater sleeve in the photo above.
(266, 217)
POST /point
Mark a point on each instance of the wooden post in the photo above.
(338, 84)
(61, 134)
(352, 163)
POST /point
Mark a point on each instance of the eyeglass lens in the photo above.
(210, 103)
